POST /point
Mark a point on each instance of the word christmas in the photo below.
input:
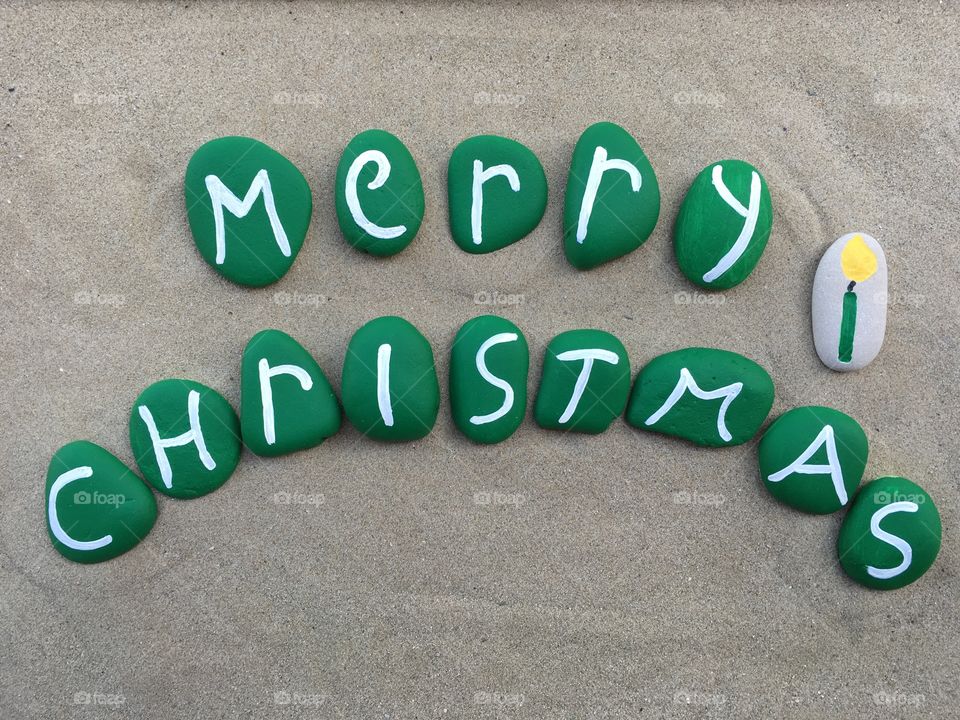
(249, 209)
(187, 438)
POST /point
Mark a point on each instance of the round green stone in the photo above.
(248, 207)
(488, 409)
(621, 207)
(389, 385)
(723, 225)
(585, 382)
(497, 193)
(891, 535)
(100, 508)
(188, 471)
(812, 458)
(378, 194)
(300, 410)
(710, 397)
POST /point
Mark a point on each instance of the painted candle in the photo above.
(848, 325)
(858, 263)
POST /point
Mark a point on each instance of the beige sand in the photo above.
(592, 592)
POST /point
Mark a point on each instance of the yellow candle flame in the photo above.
(857, 259)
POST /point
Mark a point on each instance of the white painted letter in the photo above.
(193, 435)
(480, 176)
(832, 467)
(59, 533)
(221, 197)
(266, 392)
(686, 382)
(493, 379)
(749, 225)
(899, 543)
(588, 356)
(383, 384)
(599, 166)
(353, 202)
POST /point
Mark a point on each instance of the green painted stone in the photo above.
(489, 363)
(185, 411)
(583, 395)
(723, 225)
(812, 458)
(891, 535)
(738, 395)
(497, 193)
(390, 388)
(378, 194)
(248, 207)
(96, 507)
(621, 208)
(300, 410)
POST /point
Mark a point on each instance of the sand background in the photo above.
(592, 591)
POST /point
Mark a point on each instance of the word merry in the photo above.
(249, 207)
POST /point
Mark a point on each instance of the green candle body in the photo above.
(848, 326)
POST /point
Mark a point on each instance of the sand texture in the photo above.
(620, 576)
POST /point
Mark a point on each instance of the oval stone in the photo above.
(378, 194)
(812, 458)
(723, 225)
(710, 397)
(585, 382)
(248, 207)
(390, 388)
(96, 507)
(286, 402)
(891, 536)
(489, 363)
(497, 193)
(612, 201)
(185, 437)
(849, 305)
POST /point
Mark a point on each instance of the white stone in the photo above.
(830, 283)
